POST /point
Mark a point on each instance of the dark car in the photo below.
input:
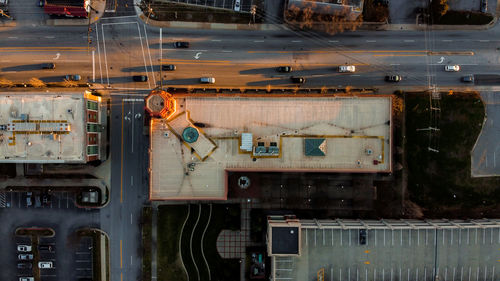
(47, 248)
(168, 67)
(46, 199)
(362, 236)
(298, 80)
(284, 69)
(24, 265)
(181, 44)
(140, 78)
(49, 66)
(468, 79)
(74, 77)
(393, 78)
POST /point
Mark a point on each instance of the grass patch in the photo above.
(223, 217)
(170, 220)
(441, 182)
(146, 223)
(465, 18)
(167, 11)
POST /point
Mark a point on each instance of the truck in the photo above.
(68, 8)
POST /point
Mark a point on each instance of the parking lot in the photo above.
(39, 252)
(456, 254)
(57, 200)
(245, 5)
(83, 258)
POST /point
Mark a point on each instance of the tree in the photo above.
(439, 8)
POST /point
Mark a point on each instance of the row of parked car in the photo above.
(25, 257)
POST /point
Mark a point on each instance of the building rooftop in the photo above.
(42, 128)
(310, 134)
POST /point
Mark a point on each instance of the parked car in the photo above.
(468, 79)
(140, 78)
(284, 69)
(452, 68)
(362, 236)
(168, 67)
(45, 264)
(46, 198)
(393, 78)
(181, 44)
(237, 5)
(347, 68)
(484, 6)
(74, 77)
(23, 248)
(47, 248)
(29, 202)
(23, 265)
(49, 66)
(298, 80)
(26, 279)
(25, 257)
(207, 80)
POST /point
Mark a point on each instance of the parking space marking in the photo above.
(350, 237)
(392, 233)
(484, 235)
(443, 235)
(416, 274)
(425, 273)
(315, 237)
(409, 240)
(307, 240)
(476, 235)
(426, 236)
(451, 242)
(375, 236)
(446, 274)
(323, 237)
(401, 235)
(418, 238)
(340, 237)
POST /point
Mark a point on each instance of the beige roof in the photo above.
(356, 132)
(42, 128)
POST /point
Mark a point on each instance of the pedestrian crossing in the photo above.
(2, 200)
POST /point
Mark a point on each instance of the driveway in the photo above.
(486, 152)
(403, 11)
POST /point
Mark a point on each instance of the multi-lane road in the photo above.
(125, 46)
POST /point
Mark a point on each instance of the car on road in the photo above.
(26, 279)
(298, 80)
(181, 44)
(452, 68)
(285, 69)
(23, 248)
(45, 264)
(49, 66)
(168, 67)
(347, 68)
(362, 236)
(73, 77)
(468, 79)
(47, 248)
(393, 78)
(23, 265)
(207, 80)
(25, 257)
(140, 78)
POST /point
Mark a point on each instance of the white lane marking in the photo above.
(130, 260)
(446, 40)
(149, 52)
(408, 41)
(98, 50)
(105, 55)
(116, 23)
(12, 37)
(258, 41)
(296, 41)
(333, 41)
(215, 40)
(371, 41)
(49, 37)
(144, 59)
(484, 40)
(224, 51)
(132, 177)
(395, 64)
(93, 65)
(121, 17)
(356, 75)
(130, 218)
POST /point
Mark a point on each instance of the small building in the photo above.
(205, 137)
(51, 128)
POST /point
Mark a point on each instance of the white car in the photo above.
(207, 80)
(453, 68)
(23, 248)
(45, 264)
(26, 279)
(347, 68)
(237, 6)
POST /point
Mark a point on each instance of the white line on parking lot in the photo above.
(323, 237)
(258, 41)
(445, 274)
(443, 235)
(447, 40)
(491, 235)
(425, 273)
(453, 278)
(371, 41)
(395, 64)
(493, 274)
(461, 273)
(49, 37)
(366, 274)
(401, 235)
(340, 274)
(408, 279)
(392, 233)
(484, 235)
(315, 237)
(375, 274)
(215, 40)
(333, 41)
(477, 274)
(350, 237)
(476, 235)
(340, 237)
(416, 274)
(130, 260)
(131, 180)
(409, 240)
(383, 275)
(130, 218)
(384, 236)
(408, 41)
(296, 41)
(418, 236)
(485, 271)
(391, 273)
(226, 51)
(469, 272)
(12, 37)
(400, 273)
(307, 241)
(375, 231)
(484, 40)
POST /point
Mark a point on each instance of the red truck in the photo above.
(69, 8)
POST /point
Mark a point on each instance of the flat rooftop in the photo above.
(42, 128)
(252, 133)
(394, 250)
